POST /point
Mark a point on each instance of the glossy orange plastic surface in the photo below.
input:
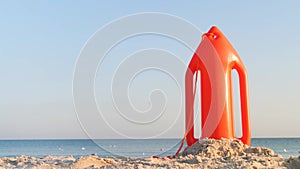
(215, 58)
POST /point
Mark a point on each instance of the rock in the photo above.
(292, 162)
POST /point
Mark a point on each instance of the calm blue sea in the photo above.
(124, 147)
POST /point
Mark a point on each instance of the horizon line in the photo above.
(41, 139)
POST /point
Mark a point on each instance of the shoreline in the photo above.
(207, 153)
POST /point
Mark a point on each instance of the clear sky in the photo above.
(41, 40)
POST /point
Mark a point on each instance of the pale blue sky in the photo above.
(41, 40)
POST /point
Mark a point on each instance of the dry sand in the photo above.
(207, 153)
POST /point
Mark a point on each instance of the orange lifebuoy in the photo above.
(215, 58)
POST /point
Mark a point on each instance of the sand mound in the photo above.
(92, 162)
(225, 153)
(211, 148)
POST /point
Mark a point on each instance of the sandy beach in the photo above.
(207, 153)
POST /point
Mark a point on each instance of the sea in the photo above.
(137, 148)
